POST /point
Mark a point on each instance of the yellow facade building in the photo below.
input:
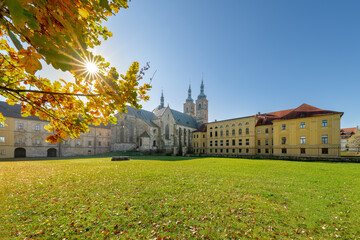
(303, 131)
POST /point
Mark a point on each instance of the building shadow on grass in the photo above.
(132, 156)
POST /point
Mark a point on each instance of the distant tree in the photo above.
(354, 142)
(62, 34)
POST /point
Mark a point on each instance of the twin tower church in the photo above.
(163, 129)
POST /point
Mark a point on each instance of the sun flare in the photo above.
(91, 67)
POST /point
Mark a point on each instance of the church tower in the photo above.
(189, 106)
(202, 106)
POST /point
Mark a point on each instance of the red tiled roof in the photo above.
(303, 111)
(348, 130)
(202, 128)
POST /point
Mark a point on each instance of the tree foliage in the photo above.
(354, 142)
(62, 34)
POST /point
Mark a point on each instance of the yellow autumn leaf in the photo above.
(83, 13)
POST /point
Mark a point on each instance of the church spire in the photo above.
(202, 94)
(162, 99)
(189, 99)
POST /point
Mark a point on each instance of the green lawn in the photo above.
(173, 197)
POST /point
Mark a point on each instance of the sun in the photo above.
(91, 67)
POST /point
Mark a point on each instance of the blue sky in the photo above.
(256, 55)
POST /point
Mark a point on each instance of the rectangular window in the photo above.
(221, 143)
(266, 130)
(227, 132)
(266, 142)
(283, 127)
(324, 150)
(233, 142)
(89, 143)
(240, 150)
(259, 142)
(324, 123)
(19, 140)
(283, 150)
(221, 133)
(240, 142)
(283, 140)
(221, 150)
(227, 142)
(203, 144)
(302, 150)
(210, 134)
(233, 132)
(37, 141)
(215, 150)
(37, 127)
(324, 139)
(266, 150)
(247, 150)
(247, 130)
(227, 150)
(20, 126)
(210, 150)
(99, 143)
(215, 133)
(259, 131)
(210, 144)
(216, 143)
(247, 141)
(302, 140)
(302, 125)
(2, 139)
(240, 131)
(259, 150)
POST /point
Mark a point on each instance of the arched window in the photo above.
(180, 133)
(185, 137)
(199, 106)
(240, 131)
(189, 137)
(233, 132)
(167, 132)
(131, 133)
(227, 132)
(122, 130)
(221, 133)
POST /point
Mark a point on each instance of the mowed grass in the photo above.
(203, 198)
